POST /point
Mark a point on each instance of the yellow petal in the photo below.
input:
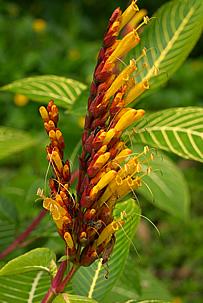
(104, 181)
(57, 160)
(136, 91)
(44, 114)
(121, 79)
(128, 118)
(108, 231)
(128, 13)
(124, 46)
(109, 135)
(69, 240)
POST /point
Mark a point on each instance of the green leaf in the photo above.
(28, 287)
(153, 288)
(169, 38)
(8, 211)
(166, 187)
(36, 259)
(66, 298)
(137, 284)
(148, 301)
(13, 140)
(7, 233)
(62, 90)
(178, 130)
(90, 281)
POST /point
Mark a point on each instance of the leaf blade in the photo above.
(43, 88)
(169, 38)
(28, 287)
(35, 260)
(67, 298)
(178, 130)
(13, 140)
(160, 187)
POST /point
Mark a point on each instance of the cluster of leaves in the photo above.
(170, 38)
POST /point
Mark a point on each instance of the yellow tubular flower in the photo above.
(128, 118)
(102, 149)
(133, 23)
(57, 211)
(52, 135)
(108, 231)
(101, 161)
(109, 135)
(69, 240)
(125, 187)
(124, 46)
(136, 91)
(121, 79)
(104, 181)
(59, 135)
(128, 14)
(57, 161)
(122, 155)
(130, 168)
(44, 114)
(47, 203)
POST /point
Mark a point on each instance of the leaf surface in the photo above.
(169, 38)
(166, 187)
(178, 130)
(35, 260)
(66, 298)
(13, 141)
(27, 287)
(62, 90)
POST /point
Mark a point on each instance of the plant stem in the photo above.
(55, 282)
(69, 276)
(24, 235)
(58, 285)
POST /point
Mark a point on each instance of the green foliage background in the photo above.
(67, 47)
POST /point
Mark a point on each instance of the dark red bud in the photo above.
(93, 90)
(85, 200)
(89, 255)
(88, 143)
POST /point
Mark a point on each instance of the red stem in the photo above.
(57, 285)
(69, 276)
(24, 235)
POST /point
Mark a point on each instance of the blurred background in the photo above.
(63, 38)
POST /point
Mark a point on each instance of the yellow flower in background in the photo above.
(39, 25)
(177, 300)
(20, 100)
(81, 121)
(73, 54)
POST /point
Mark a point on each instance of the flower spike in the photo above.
(108, 169)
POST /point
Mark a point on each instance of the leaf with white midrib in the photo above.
(169, 38)
(178, 130)
(28, 287)
(43, 88)
(35, 260)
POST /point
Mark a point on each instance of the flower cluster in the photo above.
(108, 170)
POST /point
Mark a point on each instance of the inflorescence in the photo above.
(108, 170)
